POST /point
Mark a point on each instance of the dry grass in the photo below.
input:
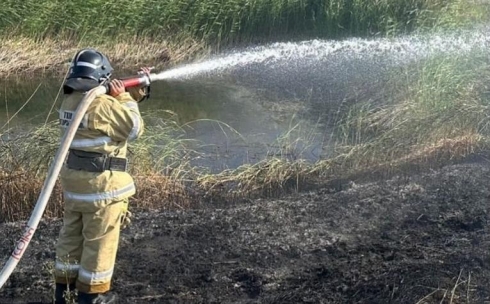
(433, 155)
(460, 292)
(19, 191)
(158, 191)
(28, 56)
(269, 178)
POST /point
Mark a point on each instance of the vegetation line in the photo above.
(430, 113)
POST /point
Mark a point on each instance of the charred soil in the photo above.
(420, 238)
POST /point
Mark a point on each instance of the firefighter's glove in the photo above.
(116, 88)
(139, 93)
(126, 216)
(143, 92)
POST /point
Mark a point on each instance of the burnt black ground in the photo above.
(421, 238)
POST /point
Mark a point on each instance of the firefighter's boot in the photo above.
(59, 293)
(96, 298)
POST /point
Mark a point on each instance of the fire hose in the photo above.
(55, 168)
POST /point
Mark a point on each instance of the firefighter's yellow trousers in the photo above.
(87, 245)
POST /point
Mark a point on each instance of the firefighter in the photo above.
(95, 182)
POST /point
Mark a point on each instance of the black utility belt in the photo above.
(95, 162)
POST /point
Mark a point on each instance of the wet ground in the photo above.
(422, 238)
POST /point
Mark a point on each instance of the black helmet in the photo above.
(88, 69)
(91, 64)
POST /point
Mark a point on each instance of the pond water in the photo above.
(229, 125)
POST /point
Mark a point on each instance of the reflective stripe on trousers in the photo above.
(67, 268)
(92, 197)
(93, 277)
(88, 277)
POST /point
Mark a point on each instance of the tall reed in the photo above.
(222, 22)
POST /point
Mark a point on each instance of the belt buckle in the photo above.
(118, 164)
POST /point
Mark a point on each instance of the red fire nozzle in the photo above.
(136, 81)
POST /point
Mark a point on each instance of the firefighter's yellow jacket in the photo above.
(107, 126)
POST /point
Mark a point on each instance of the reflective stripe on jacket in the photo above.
(107, 126)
